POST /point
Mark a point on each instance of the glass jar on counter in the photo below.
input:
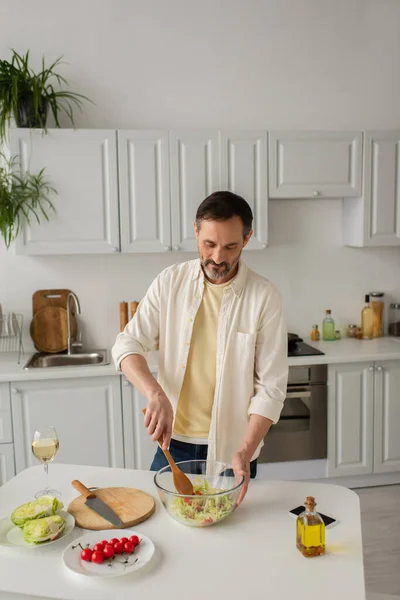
(377, 304)
(394, 319)
(351, 331)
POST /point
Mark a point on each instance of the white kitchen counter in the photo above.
(250, 555)
(340, 351)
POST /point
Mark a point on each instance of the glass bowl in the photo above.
(217, 487)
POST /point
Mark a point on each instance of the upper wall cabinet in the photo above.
(374, 219)
(143, 168)
(307, 164)
(244, 172)
(82, 166)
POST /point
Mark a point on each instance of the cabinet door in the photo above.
(307, 164)
(7, 463)
(139, 448)
(195, 174)
(86, 413)
(350, 419)
(387, 417)
(82, 166)
(145, 212)
(5, 414)
(382, 190)
(244, 172)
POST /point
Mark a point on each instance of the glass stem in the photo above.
(46, 470)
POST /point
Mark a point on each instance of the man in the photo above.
(222, 341)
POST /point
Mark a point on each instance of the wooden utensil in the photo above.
(134, 306)
(123, 315)
(49, 329)
(181, 481)
(43, 298)
(131, 505)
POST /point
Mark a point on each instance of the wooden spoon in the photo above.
(182, 483)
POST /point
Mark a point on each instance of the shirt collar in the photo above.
(237, 283)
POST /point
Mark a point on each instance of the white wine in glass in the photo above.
(45, 446)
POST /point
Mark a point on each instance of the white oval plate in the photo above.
(10, 535)
(110, 567)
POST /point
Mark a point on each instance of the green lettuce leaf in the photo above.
(42, 530)
(37, 509)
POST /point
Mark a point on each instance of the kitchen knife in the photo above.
(94, 503)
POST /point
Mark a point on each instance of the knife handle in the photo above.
(82, 489)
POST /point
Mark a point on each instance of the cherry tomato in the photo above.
(104, 542)
(118, 548)
(86, 554)
(123, 540)
(135, 540)
(187, 501)
(108, 550)
(98, 547)
(129, 547)
(113, 541)
(98, 557)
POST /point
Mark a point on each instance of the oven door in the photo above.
(301, 432)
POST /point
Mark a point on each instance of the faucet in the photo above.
(72, 344)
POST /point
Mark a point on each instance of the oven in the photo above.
(301, 432)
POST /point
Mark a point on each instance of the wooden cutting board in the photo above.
(43, 298)
(131, 505)
(49, 329)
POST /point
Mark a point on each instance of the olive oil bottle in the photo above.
(310, 531)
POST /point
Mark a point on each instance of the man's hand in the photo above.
(241, 468)
(158, 419)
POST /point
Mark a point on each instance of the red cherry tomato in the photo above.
(118, 548)
(98, 548)
(104, 542)
(113, 541)
(108, 550)
(97, 557)
(86, 554)
(135, 540)
(123, 540)
(129, 547)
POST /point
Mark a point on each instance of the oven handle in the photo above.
(299, 394)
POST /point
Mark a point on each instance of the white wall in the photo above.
(220, 63)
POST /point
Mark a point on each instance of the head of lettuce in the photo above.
(43, 530)
(46, 506)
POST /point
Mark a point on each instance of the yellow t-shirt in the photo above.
(196, 399)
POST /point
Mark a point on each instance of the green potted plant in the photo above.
(22, 197)
(27, 96)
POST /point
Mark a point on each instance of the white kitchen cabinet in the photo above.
(374, 218)
(7, 464)
(350, 419)
(5, 414)
(320, 164)
(244, 172)
(195, 174)
(387, 417)
(139, 448)
(82, 166)
(145, 211)
(86, 413)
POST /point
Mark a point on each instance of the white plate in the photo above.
(10, 535)
(114, 567)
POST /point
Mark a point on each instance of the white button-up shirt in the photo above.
(252, 364)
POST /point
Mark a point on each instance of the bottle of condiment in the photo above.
(351, 331)
(315, 336)
(394, 319)
(377, 305)
(367, 320)
(310, 530)
(338, 335)
(328, 327)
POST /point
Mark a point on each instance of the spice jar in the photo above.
(351, 331)
(394, 319)
(377, 305)
(315, 335)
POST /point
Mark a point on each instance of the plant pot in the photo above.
(26, 116)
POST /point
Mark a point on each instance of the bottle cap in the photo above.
(366, 297)
(377, 294)
(310, 502)
(315, 326)
(328, 311)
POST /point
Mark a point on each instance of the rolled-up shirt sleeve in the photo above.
(271, 362)
(141, 334)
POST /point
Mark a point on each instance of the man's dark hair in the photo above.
(221, 206)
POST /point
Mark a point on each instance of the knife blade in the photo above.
(97, 505)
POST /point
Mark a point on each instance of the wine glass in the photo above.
(45, 446)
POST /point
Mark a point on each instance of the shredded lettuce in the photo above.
(204, 510)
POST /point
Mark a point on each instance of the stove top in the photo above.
(300, 348)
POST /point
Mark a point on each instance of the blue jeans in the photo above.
(183, 451)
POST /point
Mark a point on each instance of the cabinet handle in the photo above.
(379, 369)
(317, 193)
(263, 246)
(167, 248)
(126, 382)
(370, 368)
(14, 390)
(115, 249)
(177, 248)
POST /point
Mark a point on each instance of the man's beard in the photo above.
(215, 274)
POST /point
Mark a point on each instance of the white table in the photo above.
(250, 555)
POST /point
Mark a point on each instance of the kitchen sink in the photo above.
(41, 360)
